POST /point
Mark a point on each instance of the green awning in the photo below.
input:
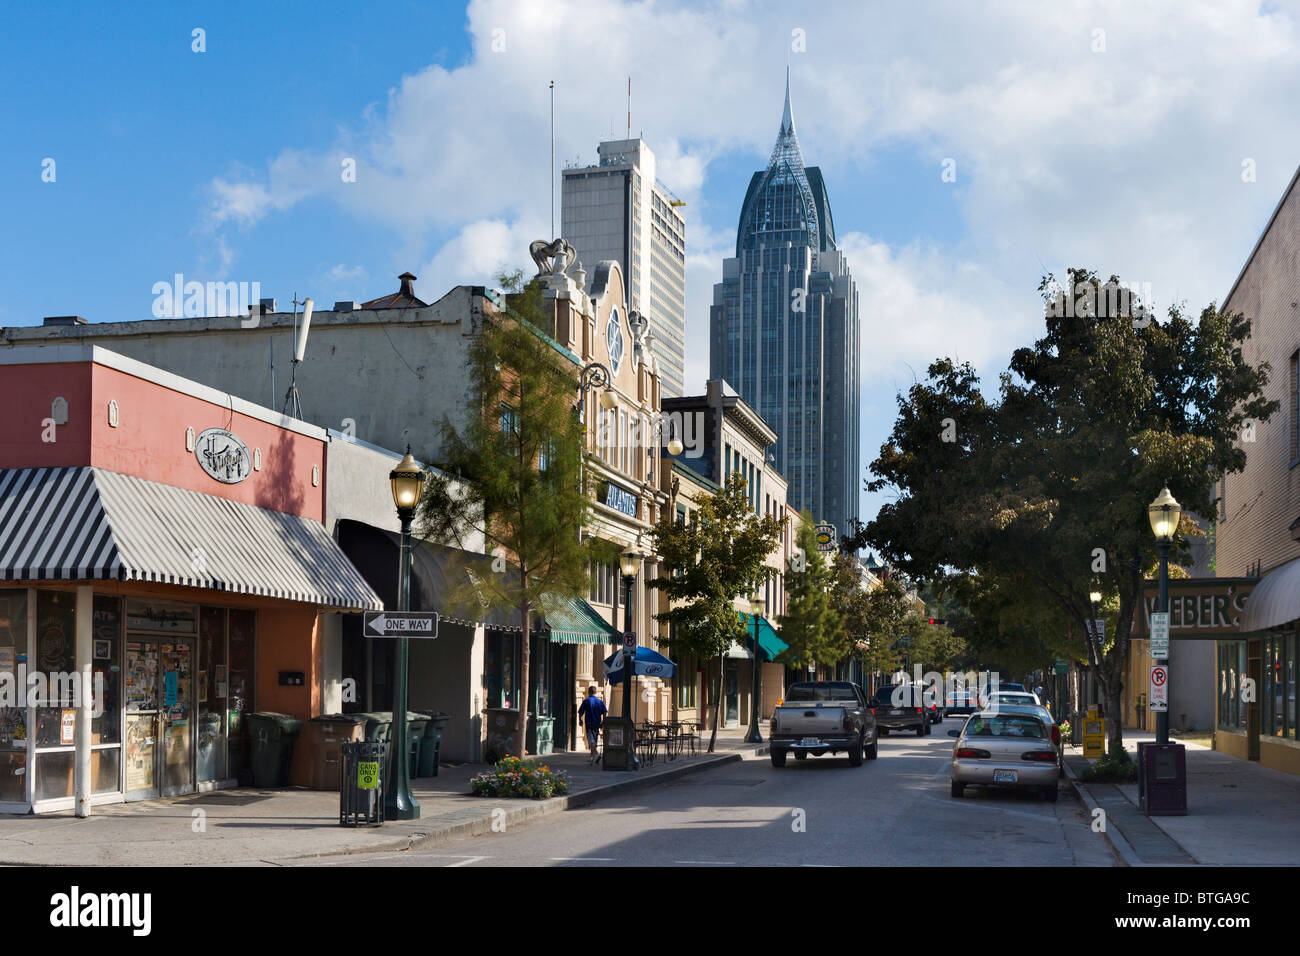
(768, 642)
(574, 621)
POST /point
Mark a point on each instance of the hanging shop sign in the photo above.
(223, 456)
(825, 537)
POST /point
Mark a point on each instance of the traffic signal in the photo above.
(939, 621)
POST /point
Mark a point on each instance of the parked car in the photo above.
(819, 717)
(900, 707)
(1022, 698)
(1053, 727)
(1005, 749)
(960, 702)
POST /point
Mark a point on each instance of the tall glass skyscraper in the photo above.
(783, 331)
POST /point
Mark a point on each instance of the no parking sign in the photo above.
(1158, 700)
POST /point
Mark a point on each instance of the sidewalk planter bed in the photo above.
(513, 777)
(1112, 768)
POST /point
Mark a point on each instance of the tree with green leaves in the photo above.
(810, 625)
(1043, 491)
(512, 471)
(706, 564)
(850, 605)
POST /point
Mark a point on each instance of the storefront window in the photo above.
(1232, 667)
(500, 669)
(213, 688)
(1289, 683)
(686, 683)
(106, 672)
(13, 702)
(241, 702)
(56, 715)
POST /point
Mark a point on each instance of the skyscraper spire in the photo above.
(787, 143)
(787, 118)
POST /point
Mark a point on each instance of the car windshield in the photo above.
(806, 691)
(1013, 698)
(1005, 725)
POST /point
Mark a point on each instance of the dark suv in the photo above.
(900, 707)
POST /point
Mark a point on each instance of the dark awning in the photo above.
(1275, 600)
(441, 577)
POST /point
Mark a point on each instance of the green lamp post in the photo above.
(757, 605)
(407, 481)
(1164, 514)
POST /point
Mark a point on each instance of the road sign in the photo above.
(629, 639)
(1062, 667)
(1160, 635)
(825, 537)
(1158, 700)
(401, 624)
(1097, 628)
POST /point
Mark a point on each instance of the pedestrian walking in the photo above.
(590, 714)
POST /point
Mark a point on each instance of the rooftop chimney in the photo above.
(408, 287)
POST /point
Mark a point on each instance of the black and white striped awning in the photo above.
(79, 523)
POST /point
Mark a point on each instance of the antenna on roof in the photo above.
(552, 159)
(291, 400)
(629, 107)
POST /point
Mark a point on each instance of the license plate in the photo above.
(1004, 776)
(894, 711)
(810, 742)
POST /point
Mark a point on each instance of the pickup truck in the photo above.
(818, 717)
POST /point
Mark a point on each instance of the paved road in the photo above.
(894, 810)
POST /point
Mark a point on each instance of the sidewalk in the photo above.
(1238, 813)
(252, 826)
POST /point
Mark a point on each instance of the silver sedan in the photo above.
(1002, 749)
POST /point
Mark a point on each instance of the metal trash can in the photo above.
(361, 789)
(540, 739)
(322, 739)
(272, 737)
(619, 745)
(431, 745)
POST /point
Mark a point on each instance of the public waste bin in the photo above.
(502, 733)
(415, 725)
(361, 783)
(322, 741)
(272, 737)
(540, 739)
(378, 724)
(619, 750)
(431, 745)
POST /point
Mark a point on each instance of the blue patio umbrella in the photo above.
(647, 663)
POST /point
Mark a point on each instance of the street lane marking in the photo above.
(467, 861)
(582, 859)
(706, 862)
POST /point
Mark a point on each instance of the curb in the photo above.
(1114, 837)
(535, 810)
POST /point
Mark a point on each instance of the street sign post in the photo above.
(401, 624)
(1062, 667)
(1160, 636)
(1158, 699)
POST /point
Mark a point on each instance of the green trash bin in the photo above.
(415, 726)
(378, 725)
(271, 737)
(431, 745)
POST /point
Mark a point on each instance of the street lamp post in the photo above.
(407, 481)
(1094, 598)
(1164, 513)
(629, 562)
(756, 605)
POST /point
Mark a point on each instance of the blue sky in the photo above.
(1107, 134)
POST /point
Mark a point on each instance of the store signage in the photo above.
(159, 617)
(1205, 607)
(826, 537)
(1159, 696)
(620, 500)
(1160, 635)
(67, 727)
(223, 456)
(403, 624)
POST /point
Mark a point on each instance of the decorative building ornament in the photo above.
(112, 413)
(614, 341)
(189, 438)
(257, 459)
(59, 410)
(552, 258)
(315, 476)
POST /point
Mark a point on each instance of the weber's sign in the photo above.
(401, 624)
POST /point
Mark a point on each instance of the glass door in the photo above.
(159, 689)
(140, 677)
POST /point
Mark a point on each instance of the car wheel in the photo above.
(855, 753)
(873, 751)
(958, 789)
(801, 755)
(1050, 794)
(883, 732)
(920, 731)
(778, 757)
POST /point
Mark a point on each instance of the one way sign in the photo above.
(401, 624)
